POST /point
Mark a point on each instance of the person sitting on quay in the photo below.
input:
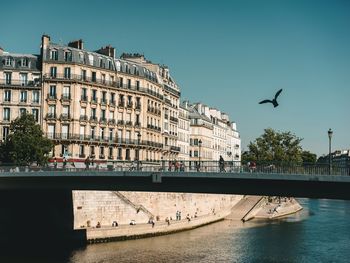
(114, 224)
(98, 225)
(167, 221)
(188, 217)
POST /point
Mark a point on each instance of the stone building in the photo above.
(94, 104)
(20, 88)
(107, 108)
(184, 132)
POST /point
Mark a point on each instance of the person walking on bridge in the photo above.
(221, 164)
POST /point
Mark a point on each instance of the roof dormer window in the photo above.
(9, 61)
(24, 62)
(81, 57)
(118, 66)
(67, 56)
(54, 54)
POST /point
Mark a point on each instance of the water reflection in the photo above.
(318, 233)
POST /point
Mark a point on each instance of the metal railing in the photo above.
(180, 166)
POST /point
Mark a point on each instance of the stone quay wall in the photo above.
(91, 207)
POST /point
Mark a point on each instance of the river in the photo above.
(318, 233)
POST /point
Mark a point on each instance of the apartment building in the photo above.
(20, 88)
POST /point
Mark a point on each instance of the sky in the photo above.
(226, 54)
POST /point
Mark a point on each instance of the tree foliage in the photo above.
(25, 144)
(308, 157)
(274, 147)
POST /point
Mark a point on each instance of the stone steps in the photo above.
(243, 207)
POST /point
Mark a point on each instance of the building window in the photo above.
(110, 134)
(92, 133)
(81, 57)
(81, 151)
(93, 76)
(67, 73)
(23, 96)
(52, 92)
(36, 96)
(137, 84)
(7, 114)
(102, 152)
(92, 151)
(51, 131)
(68, 56)
(65, 112)
(66, 92)
(84, 94)
(35, 113)
(53, 72)
(7, 95)
(110, 152)
(9, 61)
(54, 54)
(22, 111)
(24, 62)
(52, 111)
(5, 132)
(127, 154)
(121, 84)
(23, 79)
(64, 131)
(94, 95)
(129, 83)
(93, 113)
(83, 74)
(8, 78)
(120, 154)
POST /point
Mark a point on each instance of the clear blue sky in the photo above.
(228, 54)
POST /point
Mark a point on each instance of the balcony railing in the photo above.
(112, 103)
(93, 119)
(111, 121)
(120, 122)
(138, 106)
(103, 120)
(129, 105)
(21, 83)
(81, 78)
(83, 118)
(65, 97)
(84, 98)
(51, 96)
(51, 116)
(128, 123)
(174, 119)
(103, 101)
(175, 148)
(64, 116)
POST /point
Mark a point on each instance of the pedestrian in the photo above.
(222, 164)
(64, 162)
(153, 223)
(87, 163)
(55, 163)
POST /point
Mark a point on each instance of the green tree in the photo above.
(25, 144)
(274, 147)
(308, 157)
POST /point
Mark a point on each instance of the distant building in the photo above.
(20, 88)
(340, 158)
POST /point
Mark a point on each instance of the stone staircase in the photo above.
(243, 207)
(136, 207)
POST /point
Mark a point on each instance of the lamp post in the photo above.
(199, 153)
(330, 133)
(138, 150)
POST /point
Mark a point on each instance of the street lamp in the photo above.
(199, 153)
(138, 150)
(330, 133)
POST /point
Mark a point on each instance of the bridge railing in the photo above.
(174, 166)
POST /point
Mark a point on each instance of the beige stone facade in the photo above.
(93, 104)
(106, 108)
(20, 88)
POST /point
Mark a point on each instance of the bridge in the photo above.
(43, 197)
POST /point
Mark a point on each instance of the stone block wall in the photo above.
(107, 206)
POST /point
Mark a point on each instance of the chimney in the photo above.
(107, 50)
(45, 40)
(79, 44)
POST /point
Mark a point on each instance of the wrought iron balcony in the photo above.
(83, 118)
(51, 116)
(84, 98)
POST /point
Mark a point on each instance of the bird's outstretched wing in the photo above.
(265, 101)
(278, 93)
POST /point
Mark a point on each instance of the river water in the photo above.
(318, 233)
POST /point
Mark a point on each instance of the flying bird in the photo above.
(274, 101)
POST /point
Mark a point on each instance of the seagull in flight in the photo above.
(274, 101)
